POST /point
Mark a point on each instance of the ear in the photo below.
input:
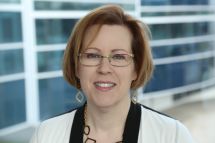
(134, 75)
(77, 72)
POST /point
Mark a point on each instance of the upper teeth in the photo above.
(105, 84)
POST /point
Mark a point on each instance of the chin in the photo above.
(106, 103)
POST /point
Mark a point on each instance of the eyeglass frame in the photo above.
(109, 60)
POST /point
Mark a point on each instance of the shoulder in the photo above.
(157, 117)
(57, 121)
(157, 121)
(54, 130)
(162, 126)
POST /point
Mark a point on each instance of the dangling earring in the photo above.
(134, 96)
(79, 97)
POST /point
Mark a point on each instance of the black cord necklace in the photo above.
(87, 129)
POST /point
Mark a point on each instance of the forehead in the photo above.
(108, 37)
(97, 50)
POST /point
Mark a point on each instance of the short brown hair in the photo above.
(110, 15)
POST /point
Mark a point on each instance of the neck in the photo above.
(105, 124)
(109, 118)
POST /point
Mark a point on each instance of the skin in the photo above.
(107, 108)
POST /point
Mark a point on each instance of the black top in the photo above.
(131, 130)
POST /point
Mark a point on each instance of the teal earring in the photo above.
(79, 97)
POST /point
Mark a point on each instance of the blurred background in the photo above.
(33, 36)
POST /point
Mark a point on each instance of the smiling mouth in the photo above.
(104, 86)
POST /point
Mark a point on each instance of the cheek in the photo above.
(84, 74)
(127, 76)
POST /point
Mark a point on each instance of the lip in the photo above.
(104, 85)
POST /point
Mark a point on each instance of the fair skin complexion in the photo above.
(107, 87)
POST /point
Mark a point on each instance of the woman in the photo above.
(107, 56)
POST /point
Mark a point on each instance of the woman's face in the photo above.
(104, 84)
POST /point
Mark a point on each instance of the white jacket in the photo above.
(153, 128)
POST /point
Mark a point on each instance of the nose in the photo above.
(105, 66)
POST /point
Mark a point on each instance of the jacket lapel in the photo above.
(132, 124)
(76, 135)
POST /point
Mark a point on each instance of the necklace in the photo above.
(87, 129)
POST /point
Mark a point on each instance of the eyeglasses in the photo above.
(95, 59)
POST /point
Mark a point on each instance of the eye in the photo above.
(119, 57)
(92, 55)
